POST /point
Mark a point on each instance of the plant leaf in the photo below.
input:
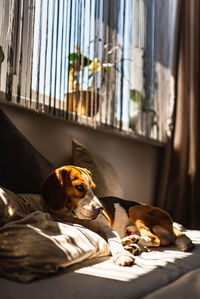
(72, 56)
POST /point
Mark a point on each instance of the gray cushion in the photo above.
(22, 167)
(34, 245)
(103, 173)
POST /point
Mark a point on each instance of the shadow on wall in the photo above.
(136, 163)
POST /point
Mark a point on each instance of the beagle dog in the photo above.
(69, 195)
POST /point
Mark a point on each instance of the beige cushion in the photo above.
(103, 173)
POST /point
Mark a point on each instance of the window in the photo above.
(97, 62)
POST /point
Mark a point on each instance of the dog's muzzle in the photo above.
(97, 208)
(88, 212)
(89, 207)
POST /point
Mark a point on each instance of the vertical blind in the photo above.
(97, 62)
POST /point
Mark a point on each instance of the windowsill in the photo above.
(85, 122)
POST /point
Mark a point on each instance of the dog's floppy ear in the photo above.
(53, 189)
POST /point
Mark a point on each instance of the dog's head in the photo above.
(71, 188)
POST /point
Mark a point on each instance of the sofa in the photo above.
(45, 258)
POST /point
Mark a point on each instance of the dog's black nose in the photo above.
(97, 208)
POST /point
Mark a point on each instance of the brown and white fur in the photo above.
(153, 226)
(69, 194)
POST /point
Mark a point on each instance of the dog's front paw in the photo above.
(136, 249)
(123, 258)
(131, 243)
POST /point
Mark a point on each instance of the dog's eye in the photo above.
(80, 188)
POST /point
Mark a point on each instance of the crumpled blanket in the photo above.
(33, 244)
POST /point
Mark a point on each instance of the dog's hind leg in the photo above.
(139, 221)
(165, 235)
(182, 241)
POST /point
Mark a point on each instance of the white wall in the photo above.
(136, 162)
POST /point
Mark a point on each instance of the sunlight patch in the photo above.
(147, 262)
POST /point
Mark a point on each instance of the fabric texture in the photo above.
(181, 190)
(187, 286)
(33, 244)
(99, 278)
(22, 167)
(104, 175)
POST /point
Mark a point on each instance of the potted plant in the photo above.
(82, 100)
(86, 101)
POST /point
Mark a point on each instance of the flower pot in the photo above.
(84, 102)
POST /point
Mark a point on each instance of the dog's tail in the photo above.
(182, 242)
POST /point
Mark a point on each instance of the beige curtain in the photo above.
(180, 185)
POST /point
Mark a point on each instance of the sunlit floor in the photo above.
(166, 258)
